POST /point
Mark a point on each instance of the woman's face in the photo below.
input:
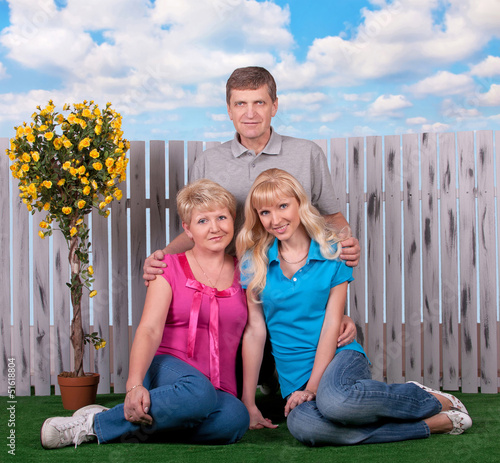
(210, 230)
(281, 219)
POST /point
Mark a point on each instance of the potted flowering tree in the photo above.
(66, 165)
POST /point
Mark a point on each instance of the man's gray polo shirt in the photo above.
(235, 168)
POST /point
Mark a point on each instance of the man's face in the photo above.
(251, 112)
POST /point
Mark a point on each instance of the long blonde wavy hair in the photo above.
(253, 241)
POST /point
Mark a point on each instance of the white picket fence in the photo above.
(426, 295)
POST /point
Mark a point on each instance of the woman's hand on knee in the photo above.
(136, 406)
(297, 398)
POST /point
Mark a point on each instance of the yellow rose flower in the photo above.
(41, 234)
(35, 156)
(108, 199)
(106, 214)
(60, 119)
(31, 138)
(25, 167)
(49, 135)
(86, 190)
(82, 123)
(73, 231)
(67, 143)
(102, 205)
(86, 113)
(66, 165)
(66, 210)
(47, 184)
(72, 171)
(94, 184)
(92, 293)
(32, 189)
(84, 180)
(94, 154)
(46, 206)
(61, 182)
(72, 118)
(91, 270)
(42, 128)
(81, 170)
(85, 143)
(26, 157)
(118, 194)
(97, 165)
(43, 224)
(81, 204)
(97, 129)
(109, 162)
(58, 143)
(27, 130)
(100, 345)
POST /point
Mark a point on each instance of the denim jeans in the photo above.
(351, 408)
(185, 408)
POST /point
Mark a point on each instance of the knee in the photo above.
(334, 409)
(299, 426)
(238, 422)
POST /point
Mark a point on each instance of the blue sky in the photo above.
(343, 68)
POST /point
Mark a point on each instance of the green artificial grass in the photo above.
(480, 444)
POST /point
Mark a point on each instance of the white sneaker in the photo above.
(460, 421)
(455, 403)
(63, 431)
(94, 408)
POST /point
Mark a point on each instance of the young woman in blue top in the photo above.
(297, 287)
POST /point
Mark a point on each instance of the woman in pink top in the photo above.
(181, 384)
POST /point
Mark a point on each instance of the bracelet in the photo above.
(133, 387)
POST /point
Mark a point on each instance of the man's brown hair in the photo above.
(251, 78)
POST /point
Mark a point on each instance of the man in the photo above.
(251, 104)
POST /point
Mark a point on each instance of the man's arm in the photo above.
(154, 264)
(351, 250)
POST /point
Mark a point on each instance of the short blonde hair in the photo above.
(205, 195)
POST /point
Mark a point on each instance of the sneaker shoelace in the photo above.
(84, 431)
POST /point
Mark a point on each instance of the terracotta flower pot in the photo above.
(78, 392)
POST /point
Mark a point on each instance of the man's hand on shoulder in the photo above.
(351, 251)
(153, 266)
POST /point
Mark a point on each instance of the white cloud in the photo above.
(175, 47)
(416, 120)
(436, 127)
(490, 98)
(3, 71)
(219, 117)
(357, 96)
(488, 68)
(329, 117)
(388, 105)
(443, 83)
(301, 100)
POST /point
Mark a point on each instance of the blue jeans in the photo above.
(185, 408)
(351, 408)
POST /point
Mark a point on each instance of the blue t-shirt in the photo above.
(294, 310)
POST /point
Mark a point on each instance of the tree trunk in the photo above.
(76, 298)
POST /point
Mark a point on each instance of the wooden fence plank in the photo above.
(497, 194)
(356, 153)
(41, 310)
(393, 263)
(119, 266)
(375, 256)
(21, 294)
(449, 261)
(468, 261)
(412, 258)
(5, 275)
(157, 195)
(430, 261)
(137, 166)
(194, 149)
(338, 150)
(488, 294)
(100, 303)
(175, 183)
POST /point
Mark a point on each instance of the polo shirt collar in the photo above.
(314, 252)
(273, 146)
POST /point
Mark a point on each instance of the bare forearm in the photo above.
(181, 243)
(252, 353)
